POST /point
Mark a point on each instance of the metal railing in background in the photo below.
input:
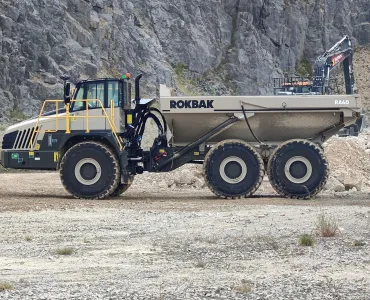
(315, 84)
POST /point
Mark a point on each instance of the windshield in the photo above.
(95, 91)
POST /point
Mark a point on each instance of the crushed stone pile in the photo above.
(187, 176)
(349, 162)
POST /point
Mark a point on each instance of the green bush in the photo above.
(306, 240)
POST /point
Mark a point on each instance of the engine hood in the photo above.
(22, 125)
(33, 121)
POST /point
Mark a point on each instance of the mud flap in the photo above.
(125, 175)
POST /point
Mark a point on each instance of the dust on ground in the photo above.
(169, 237)
(177, 241)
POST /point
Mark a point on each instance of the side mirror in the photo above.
(67, 93)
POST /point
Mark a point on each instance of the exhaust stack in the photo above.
(137, 88)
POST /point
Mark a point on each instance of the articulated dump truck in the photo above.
(93, 138)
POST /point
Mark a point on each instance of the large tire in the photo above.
(122, 188)
(298, 169)
(233, 169)
(90, 170)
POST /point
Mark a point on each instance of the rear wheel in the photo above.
(233, 169)
(90, 170)
(298, 169)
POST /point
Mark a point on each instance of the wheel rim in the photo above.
(88, 171)
(298, 169)
(233, 170)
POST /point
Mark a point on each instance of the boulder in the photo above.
(199, 183)
(184, 177)
(334, 185)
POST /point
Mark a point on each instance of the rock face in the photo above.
(196, 46)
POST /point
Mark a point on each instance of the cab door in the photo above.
(77, 111)
(88, 113)
(114, 96)
(95, 94)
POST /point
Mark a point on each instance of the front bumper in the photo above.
(31, 160)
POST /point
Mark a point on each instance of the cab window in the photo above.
(114, 93)
(79, 105)
(95, 92)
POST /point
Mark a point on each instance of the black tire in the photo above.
(219, 173)
(121, 188)
(82, 178)
(298, 169)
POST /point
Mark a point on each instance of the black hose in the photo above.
(142, 119)
(249, 126)
(155, 119)
(163, 119)
(139, 123)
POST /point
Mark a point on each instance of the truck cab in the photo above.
(95, 110)
(91, 99)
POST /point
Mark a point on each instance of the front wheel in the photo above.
(90, 170)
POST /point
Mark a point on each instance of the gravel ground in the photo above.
(177, 243)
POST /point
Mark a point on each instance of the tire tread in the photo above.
(121, 188)
(256, 154)
(108, 191)
(278, 188)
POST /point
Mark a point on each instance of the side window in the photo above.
(95, 91)
(114, 93)
(79, 105)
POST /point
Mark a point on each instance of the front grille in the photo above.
(9, 140)
(24, 137)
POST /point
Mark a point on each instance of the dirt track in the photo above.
(161, 243)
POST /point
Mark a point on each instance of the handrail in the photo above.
(112, 114)
(57, 116)
(32, 142)
(112, 110)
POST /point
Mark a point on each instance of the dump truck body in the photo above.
(273, 119)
